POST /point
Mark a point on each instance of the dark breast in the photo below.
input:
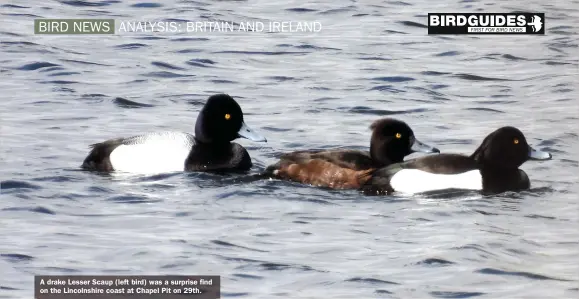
(213, 157)
(341, 169)
(498, 181)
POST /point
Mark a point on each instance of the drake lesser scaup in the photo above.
(493, 168)
(219, 122)
(391, 141)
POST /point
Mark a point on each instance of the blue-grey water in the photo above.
(273, 239)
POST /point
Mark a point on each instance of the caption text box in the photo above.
(126, 286)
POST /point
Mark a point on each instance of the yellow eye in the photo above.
(227, 116)
(398, 135)
(516, 141)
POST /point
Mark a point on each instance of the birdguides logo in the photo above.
(486, 23)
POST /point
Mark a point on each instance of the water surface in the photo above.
(272, 239)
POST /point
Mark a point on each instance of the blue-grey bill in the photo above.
(248, 133)
(418, 146)
(538, 155)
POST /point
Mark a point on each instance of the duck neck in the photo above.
(380, 155)
(204, 142)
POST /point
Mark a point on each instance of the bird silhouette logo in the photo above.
(536, 23)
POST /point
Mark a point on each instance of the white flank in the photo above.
(416, 181)
(153, 153)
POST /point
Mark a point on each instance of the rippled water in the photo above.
(271, 239)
